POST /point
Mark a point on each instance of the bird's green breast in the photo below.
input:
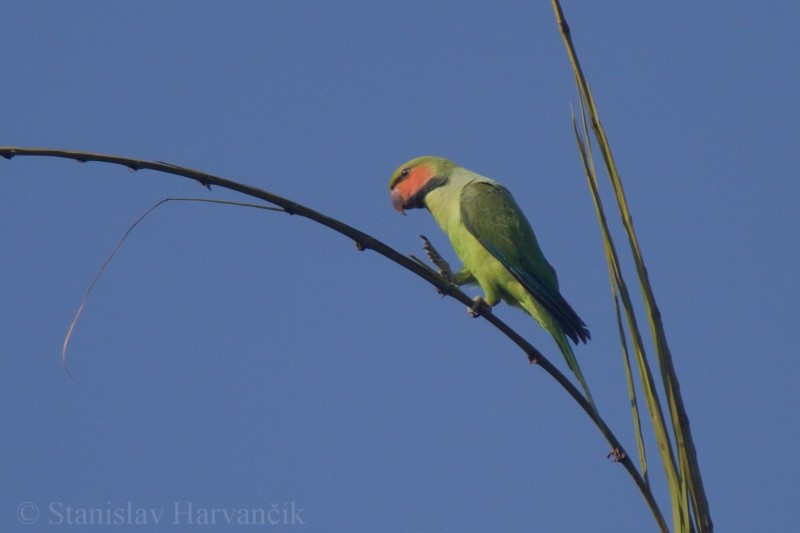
(444, 203)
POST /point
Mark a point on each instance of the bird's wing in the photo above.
(490, 214)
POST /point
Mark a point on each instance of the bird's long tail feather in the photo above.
(572, 362)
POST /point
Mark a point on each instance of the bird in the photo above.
(495, 243)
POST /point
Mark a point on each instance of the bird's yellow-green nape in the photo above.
(415, 178)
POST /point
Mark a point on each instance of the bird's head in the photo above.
(416, 178)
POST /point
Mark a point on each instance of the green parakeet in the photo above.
(495, 243)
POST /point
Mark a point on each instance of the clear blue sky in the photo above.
(238, 359)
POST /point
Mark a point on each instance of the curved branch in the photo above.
(363, 242)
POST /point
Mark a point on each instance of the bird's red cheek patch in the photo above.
(416, 179)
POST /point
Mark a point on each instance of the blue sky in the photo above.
(235, 358)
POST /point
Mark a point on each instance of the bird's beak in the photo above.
(398, 201)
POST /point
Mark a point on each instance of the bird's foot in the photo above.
(442, 266)
(479, 307)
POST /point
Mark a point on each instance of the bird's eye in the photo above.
(401, 177)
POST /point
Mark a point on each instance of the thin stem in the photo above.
(114, 251)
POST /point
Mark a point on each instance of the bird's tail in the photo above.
(552, 326)
(572, 362)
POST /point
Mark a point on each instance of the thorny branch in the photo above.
(363, 241)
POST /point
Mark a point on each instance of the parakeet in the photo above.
(495, 243)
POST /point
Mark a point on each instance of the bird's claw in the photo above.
(479, 307)
(442, 266)
(442, 290)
